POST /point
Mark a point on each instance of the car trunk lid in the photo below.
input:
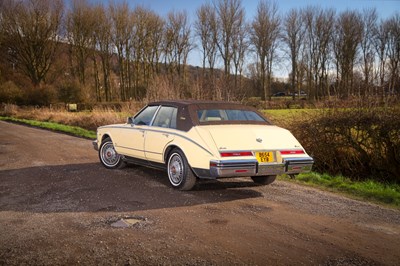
(251, 137)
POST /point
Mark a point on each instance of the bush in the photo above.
(69, 92)
(358, 143)
(41, 95)
(11, 93)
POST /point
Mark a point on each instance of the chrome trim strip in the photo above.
(235, 161)
(153, 152)
(132, 149)
(139, 150)
(299, 160)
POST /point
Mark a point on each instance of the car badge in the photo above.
(259, 140)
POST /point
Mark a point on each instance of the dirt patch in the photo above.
(57, 204)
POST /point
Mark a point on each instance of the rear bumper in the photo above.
(238, 168)
(298, 165)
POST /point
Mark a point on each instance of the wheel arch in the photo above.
(196, 156)
(168, 151)
(105, 136)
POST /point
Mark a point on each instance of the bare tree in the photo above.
(265, 34)
(80, 26)
(381, 46)
(122, 33)
(104, 46)
(394, 52)
(206, 31)
(240, 47)
(319, 30)
(178, 38)
(346, 41)
(294, 37)
(230, 16)
(140, 17)
(156, 31)
(369, 20)
(148, 40)
(30, 33)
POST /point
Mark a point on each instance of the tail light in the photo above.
(236, 153)
(292, 152)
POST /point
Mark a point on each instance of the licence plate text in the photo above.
(265, 157)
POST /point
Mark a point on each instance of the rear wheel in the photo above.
(179, 172)
(109, 156)
(264, 180)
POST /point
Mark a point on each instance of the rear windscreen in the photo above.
(210, 115)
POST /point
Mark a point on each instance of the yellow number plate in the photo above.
(265, 157)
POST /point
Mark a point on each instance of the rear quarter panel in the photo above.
(197, 151)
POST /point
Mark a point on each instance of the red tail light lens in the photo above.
(292, 152)
(236, 153)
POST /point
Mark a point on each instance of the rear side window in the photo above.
(145, 116)
(228, 115)
(166, 117)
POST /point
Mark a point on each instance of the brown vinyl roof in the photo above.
(187, 112)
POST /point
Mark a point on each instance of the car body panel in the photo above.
(127, 140)
(244, 137)
(155, 143)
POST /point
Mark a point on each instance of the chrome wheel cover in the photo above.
(108, 154)
(175, 169)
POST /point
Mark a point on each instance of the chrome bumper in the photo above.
(95, 146)
(237, 168)
(298, 165)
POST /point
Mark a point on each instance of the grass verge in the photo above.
(76, 131)
(370, 190)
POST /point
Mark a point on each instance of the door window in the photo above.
(145, 116)
(166, 117)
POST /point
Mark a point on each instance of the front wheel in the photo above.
(108, 155)
(264, 180)
(179, 172)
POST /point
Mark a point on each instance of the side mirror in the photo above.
(129, 120)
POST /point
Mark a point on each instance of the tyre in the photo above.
(109, 156)
(180, 174)
(264, 180)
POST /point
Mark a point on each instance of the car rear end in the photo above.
(255, 150)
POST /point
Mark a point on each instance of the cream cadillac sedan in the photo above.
(202, 139)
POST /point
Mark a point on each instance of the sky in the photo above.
(385, 9)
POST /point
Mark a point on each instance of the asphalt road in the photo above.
(58, 206)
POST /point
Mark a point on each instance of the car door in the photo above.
(160, 134)
(131, 138)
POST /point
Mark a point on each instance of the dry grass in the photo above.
(88, 119)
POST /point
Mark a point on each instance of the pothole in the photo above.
(127, 221)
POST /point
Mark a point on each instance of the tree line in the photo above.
(97, 52)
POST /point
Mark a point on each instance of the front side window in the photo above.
(208, 115)
(145, 116)
(166, 117)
